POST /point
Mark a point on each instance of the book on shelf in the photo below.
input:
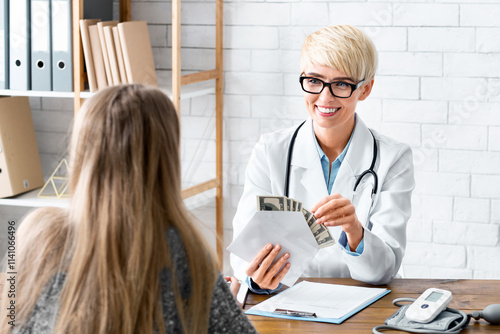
(87, 52)
(119, 55)
(113, 61)
(137, 52)
(97, 57)
(123, 54)
(104, 49)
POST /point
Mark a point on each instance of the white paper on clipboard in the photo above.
(331, 303)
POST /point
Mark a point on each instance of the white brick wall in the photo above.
(437, 88)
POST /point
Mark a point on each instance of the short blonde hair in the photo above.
(341, 47)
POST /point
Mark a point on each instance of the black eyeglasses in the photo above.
(339, 89)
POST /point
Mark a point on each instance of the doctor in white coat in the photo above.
(331, 150)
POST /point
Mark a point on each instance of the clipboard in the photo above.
(335, 304)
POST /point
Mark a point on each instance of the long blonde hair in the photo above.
(125, 194)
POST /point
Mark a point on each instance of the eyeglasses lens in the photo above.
(315, 86)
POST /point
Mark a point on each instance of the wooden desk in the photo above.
(468, 296)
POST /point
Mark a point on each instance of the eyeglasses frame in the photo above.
(329, 84)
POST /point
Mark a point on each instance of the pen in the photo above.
(295, 313)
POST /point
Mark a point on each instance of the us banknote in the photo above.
(283, 203)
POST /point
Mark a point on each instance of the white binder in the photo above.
(62, 60)
(19, 51)
(4, 44)
(41, 62)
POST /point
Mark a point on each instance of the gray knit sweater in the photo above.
(225, 314)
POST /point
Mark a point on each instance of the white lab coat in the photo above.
(384, 227)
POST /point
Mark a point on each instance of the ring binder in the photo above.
(62, 60)
(19, 51)
(41, 66)
(4, 42)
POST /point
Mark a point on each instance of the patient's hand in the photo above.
(235, 285)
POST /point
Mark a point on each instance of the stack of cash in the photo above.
(283, 203)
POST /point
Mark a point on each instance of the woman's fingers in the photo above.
(331, 206)
(259, 275)
(277, 279)
(274, 270)
(271, 278)
(235, 285)
(262, 270)
(323, 201)
(339, 216)
(257, 260)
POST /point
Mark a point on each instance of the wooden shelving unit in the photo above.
(178, 80)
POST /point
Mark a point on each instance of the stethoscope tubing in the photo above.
(369, 171)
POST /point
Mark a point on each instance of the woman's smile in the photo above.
(326, 111)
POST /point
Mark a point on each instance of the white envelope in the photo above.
(289, 229)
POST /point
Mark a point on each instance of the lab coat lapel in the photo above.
(307, 167)
(357, 160)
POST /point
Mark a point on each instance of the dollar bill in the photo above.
(325, 241)
(283, 203)
(319, 231)
(271, 203)
(307, 214)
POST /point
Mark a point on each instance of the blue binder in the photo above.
(62, 60)
(4, 42)
(19, 51)
(41, 63)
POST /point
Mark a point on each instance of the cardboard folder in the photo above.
(113, 60)
(87, 52)
(95, 45)
(119, 55)
(137, 52)
(20, 168)
(104, 49)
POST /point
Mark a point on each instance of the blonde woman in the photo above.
(356, 181)
(125, 258)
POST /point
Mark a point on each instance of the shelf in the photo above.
(31, 199)
(194, 90)
(34, 93)
(188, 92)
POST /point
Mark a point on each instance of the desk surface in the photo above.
(468, 296)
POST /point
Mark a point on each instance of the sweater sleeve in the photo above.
(45, 313)
(226, 316)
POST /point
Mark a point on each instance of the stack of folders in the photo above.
(36, 42)
(117, 53)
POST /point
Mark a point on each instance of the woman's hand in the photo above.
(335, 210)
(261, 270)
(235, 285)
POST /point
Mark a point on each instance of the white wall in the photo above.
(437, 89)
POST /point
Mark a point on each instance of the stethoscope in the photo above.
(369, 171)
